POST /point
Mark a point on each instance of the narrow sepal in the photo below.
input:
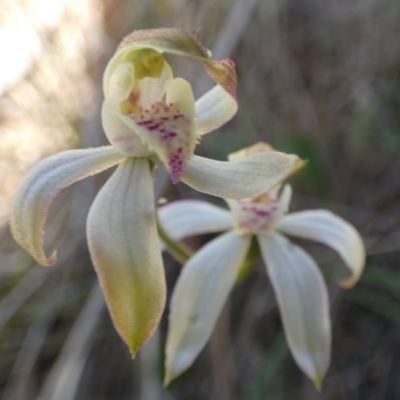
(303, 303)
(333, 231)
(244, 178)
(198, 298)
(40, 187)
(125, 250)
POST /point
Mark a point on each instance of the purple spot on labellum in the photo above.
(146, 122)
(153, 127)
(261, 213)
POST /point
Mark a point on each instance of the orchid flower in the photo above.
(210, 274)
(150, 118)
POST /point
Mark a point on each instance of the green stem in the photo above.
(179, 252)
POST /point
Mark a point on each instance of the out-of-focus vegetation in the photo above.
(317, 78)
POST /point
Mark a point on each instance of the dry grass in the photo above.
(317, 78)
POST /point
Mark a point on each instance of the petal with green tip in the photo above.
(125, 250)
(243, 178)
(303, 303)
(198, 298)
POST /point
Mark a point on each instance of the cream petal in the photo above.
(169, 129)
(120, 135)
(180, 93)
(198, 298)
(124, 247)
(333, 231)
(303, 302)
(121, 82)
(244, 178)
(185, 218)
(40, 187)
(214, 109)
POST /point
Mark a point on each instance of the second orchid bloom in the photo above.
(210, 274)
(150, 118)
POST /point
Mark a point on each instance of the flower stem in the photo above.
(179, 252)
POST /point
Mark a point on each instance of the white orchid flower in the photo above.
(150, 118)
(210, 274)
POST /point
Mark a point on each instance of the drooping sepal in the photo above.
(303, 303)
(40, 187)
(198, 298)
(333, 231)
(125, 249)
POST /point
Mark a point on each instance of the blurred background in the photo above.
(318, 78)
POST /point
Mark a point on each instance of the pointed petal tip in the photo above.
(124, 248)
(167, 378)
(230, 179)
(299, 164)
(348, 283)
(318, 380)
(133, 353)
(303, 162)
(171, 374)
(133, 345)
(51, 261)
(303, 302)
